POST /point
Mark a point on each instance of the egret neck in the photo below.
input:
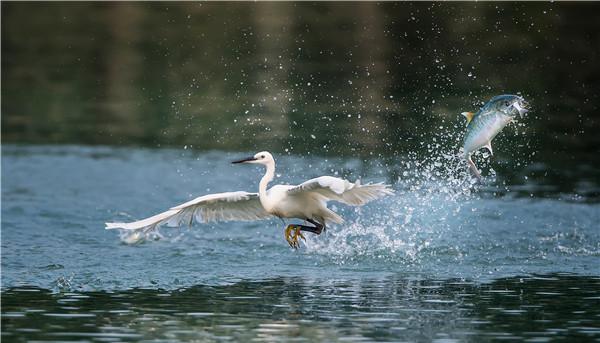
(264, 182)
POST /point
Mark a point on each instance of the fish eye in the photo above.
(506, 103)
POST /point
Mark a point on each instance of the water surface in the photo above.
(439, 260)
(395, 308)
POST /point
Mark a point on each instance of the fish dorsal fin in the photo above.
(489, 147)
(469, 116)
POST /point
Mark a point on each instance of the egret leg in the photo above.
(292, 239)
(320, 227)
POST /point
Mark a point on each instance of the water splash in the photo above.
(132, 237)
(435, 203)
(430, 195)
(433, 185)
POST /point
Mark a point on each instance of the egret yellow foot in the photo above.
(292, 239)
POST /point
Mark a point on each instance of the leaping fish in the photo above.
(486, 123)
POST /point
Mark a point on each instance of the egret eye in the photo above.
(262, 156)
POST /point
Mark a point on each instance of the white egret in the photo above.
(307, 201)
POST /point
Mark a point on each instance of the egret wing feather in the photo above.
(227, 206)
(344, 191)
(147, 223)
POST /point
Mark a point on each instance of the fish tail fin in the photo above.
(473, 168)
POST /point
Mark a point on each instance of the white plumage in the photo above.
(213, 207)
(344, 191)
(307, 201)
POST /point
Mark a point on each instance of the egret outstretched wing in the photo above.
(333, 188)
(213, 207)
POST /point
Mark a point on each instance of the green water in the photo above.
(362, 78)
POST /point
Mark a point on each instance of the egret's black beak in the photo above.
(247, 159)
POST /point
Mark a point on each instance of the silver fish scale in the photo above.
(483, 128)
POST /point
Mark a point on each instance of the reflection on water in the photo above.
(534, 308)
(353, 79)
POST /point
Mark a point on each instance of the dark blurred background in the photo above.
(381, 79)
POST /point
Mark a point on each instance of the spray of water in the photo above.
(431, 192)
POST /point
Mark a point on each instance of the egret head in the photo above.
(511, 105)
(263, 157)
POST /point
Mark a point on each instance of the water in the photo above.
(358, 90)
(390, 308)
(352, 78)
(441, 260)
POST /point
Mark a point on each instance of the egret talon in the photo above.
(298, 234)
(293, 239)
